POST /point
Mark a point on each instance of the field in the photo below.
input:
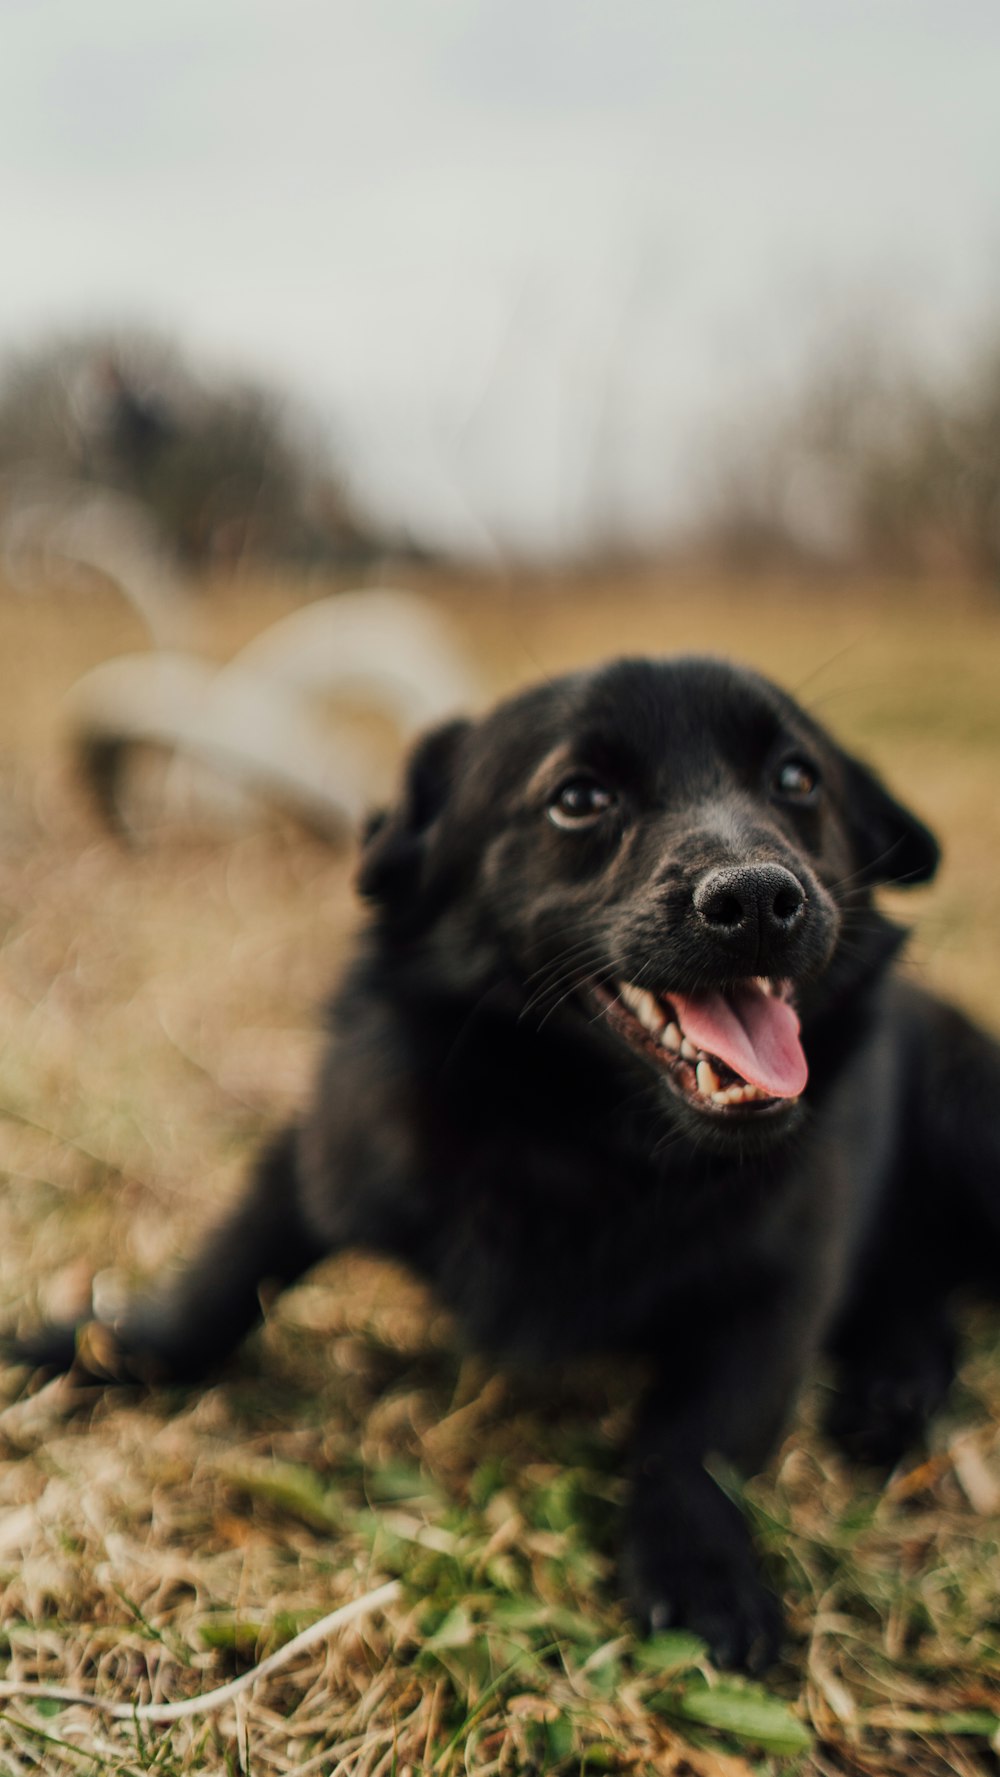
(158, 1012)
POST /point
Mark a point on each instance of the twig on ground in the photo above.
(212, 1700)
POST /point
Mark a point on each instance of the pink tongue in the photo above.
(752, 1032)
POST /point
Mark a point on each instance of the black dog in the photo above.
(622, 1066)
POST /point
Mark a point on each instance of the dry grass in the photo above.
(158, 1011)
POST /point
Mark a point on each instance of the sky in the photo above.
(524, 257)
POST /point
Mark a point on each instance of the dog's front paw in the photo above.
(729, 1608)
(877, 1425)
(878, 1417)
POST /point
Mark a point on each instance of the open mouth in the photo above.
(726, 1051)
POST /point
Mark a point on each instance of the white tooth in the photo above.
(688, 1050)
(652, 1014)
(720, 1097)
(737, 1094)
(643, 1005)
(708, 1079)
(671, 1038)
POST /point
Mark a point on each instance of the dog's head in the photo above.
(671, 850)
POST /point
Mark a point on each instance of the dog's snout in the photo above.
(751, 908)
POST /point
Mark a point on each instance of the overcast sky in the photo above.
(522, 253)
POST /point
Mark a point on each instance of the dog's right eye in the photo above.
(579, 802)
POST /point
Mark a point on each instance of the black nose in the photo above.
(751, 909)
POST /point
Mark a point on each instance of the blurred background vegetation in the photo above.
(228, 472)
(866, 462)
(872, 463)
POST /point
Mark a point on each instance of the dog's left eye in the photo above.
(797, 779)
(579, 802)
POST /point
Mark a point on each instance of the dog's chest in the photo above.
(563, 1252)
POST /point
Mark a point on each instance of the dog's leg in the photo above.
(896, 1357)
(185, 1328)
(894, 1342)
(935, 1231)
(957, 1145)
(688, 1556)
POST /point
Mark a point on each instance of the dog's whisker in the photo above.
(589, 944)
(565, 983)
(862, 877)
(574, 987)
(564, 973)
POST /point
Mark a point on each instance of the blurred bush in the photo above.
(869, 462)
(226, 470)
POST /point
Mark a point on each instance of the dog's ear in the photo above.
(394, 842)
(892, 845)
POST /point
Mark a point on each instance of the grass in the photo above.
(158, 1010)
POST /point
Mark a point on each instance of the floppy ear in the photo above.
(394, 842)
(893, 846)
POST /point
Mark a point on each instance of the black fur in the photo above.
(479, 1116)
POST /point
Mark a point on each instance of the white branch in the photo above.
(212, 1700)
